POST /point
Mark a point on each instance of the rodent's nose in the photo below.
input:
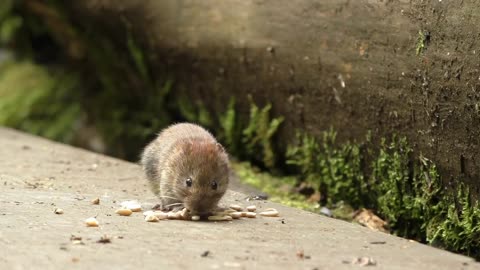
(199, 207)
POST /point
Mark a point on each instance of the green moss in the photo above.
(405, 190)
(279, 189)
(335, 171)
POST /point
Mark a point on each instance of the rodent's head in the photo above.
(201, 174)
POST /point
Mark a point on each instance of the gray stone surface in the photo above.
(37, 175)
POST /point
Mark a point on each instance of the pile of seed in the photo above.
(233, 212)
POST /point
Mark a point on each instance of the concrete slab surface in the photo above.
(37, 176)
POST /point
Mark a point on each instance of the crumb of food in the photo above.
(58, 211)
(270, 212)
(132, 205)
(236, 215)
(96, 201)
(236, 207)
(151, 218)
(91, 222)
(124, 212)
(220, 218)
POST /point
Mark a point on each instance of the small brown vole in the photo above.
(187, 167)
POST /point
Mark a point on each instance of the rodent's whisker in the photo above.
(173, 204)
(169, 197)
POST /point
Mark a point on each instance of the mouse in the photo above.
(186, 167)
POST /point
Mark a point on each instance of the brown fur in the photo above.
(185, 151)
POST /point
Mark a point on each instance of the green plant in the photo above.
(457, 223)
(257, 136)
(278, 188)
(405, 190)
(230, 130)
(335, 171)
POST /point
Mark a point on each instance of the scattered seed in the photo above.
(147, 213)
(195, 218)
(205, 253)
(58, 211)
(236, 215)
(251, 208)
(151, 218)
(91, 222)
(270, 212)
(135, 207)
(174, 215)
(184, 214)
(227, 211)
(220, 218)
(124, 212)
(236, 207)
(96, 201)
(159, 214)
(250, 214)
(132, 205)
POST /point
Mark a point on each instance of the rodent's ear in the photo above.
(220, 147)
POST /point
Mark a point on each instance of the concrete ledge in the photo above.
(37, 175)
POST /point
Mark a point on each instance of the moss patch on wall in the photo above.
(405, 189)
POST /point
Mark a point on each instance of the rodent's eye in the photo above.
(188, 182)
(214, 185)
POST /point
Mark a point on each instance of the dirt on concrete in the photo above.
(37, 176)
